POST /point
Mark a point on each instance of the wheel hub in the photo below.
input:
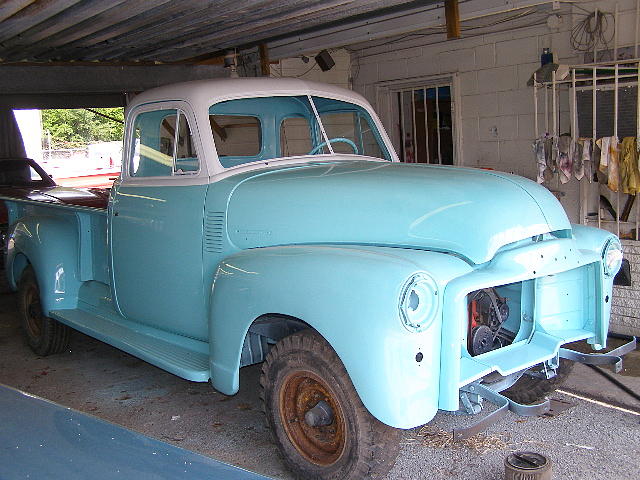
(319, 416)
(312, 418)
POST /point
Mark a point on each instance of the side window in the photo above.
(163, 145)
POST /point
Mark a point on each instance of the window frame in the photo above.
(386, 98)
(191, 177)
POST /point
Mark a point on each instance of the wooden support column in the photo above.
(264, 60)
(452, 16)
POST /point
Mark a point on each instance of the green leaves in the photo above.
(75, 128)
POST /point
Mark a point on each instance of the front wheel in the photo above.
(317, 419)
(529, 390)
(43, 334)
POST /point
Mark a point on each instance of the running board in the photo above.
(612, 358)
(184, 357)
(504, 405)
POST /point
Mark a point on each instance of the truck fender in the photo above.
(50, 245)
(350, 295)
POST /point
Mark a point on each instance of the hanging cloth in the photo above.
(585, 149)
(629, 173)
(578, 164)
(587, 158)
(609, 161)
(604, 144)
(541, 163)
(565, 158)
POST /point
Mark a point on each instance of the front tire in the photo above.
(44, 335)
(531, 390)
(301, 372)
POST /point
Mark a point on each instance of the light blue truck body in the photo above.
(201, 275)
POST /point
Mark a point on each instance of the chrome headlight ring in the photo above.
(419, 302)
(612, 257)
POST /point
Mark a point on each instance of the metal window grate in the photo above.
(426, 125)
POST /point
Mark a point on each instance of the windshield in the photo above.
(256, 129)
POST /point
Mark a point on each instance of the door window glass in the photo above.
(163, 145)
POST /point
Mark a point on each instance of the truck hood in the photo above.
(468, 212)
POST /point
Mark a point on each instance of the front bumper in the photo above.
(491, 392)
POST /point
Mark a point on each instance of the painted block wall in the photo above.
(496, 110)
(625, 306)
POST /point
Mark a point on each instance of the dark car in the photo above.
(24, 178)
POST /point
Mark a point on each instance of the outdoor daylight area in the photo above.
(77, 147)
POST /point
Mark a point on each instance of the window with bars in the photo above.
(426, 125)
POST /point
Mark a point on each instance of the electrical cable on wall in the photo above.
(590, 32)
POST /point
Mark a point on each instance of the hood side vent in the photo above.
(213, 231)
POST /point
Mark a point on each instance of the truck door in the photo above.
(157, 221)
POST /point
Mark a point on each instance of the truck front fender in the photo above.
(50, 245)
(350, 295)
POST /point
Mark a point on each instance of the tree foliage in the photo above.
(75, 128)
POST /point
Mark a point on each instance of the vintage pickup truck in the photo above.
(269, 220)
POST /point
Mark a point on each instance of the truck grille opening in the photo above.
(494, 318)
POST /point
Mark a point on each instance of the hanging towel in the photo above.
(549, 149)
(585, 144)
(565, 158)
(609, 161)
(578, 163)
(629, 173)
(604, 144)
(541, 163)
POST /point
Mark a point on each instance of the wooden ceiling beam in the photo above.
(11, 7)
(32, 15)
(452, 16)
(47, 41)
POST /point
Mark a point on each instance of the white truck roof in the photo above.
(208, 92)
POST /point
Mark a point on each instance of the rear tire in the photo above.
(530, 390)
(44, 335)
(300, 371)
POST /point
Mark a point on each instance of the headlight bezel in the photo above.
(612, 255)
(419, 302)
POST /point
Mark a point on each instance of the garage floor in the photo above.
(585, 441)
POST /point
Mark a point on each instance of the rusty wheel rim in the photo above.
(33, 312)
(322, 445)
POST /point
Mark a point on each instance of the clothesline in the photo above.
(617, 162)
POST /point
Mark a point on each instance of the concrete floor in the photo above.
(587, 441)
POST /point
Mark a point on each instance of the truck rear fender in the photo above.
(50, 245)
(350, 295)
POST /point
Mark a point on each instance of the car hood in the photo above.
(468, 212)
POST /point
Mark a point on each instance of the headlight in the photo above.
(419, 302)
(612, 257)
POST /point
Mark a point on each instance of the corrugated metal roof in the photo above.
(117, 31)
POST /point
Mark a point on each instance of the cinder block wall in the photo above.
(496, 110)
(625, 307)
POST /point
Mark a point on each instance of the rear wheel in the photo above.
(317, 419)
(43, 334)
(529, 390)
